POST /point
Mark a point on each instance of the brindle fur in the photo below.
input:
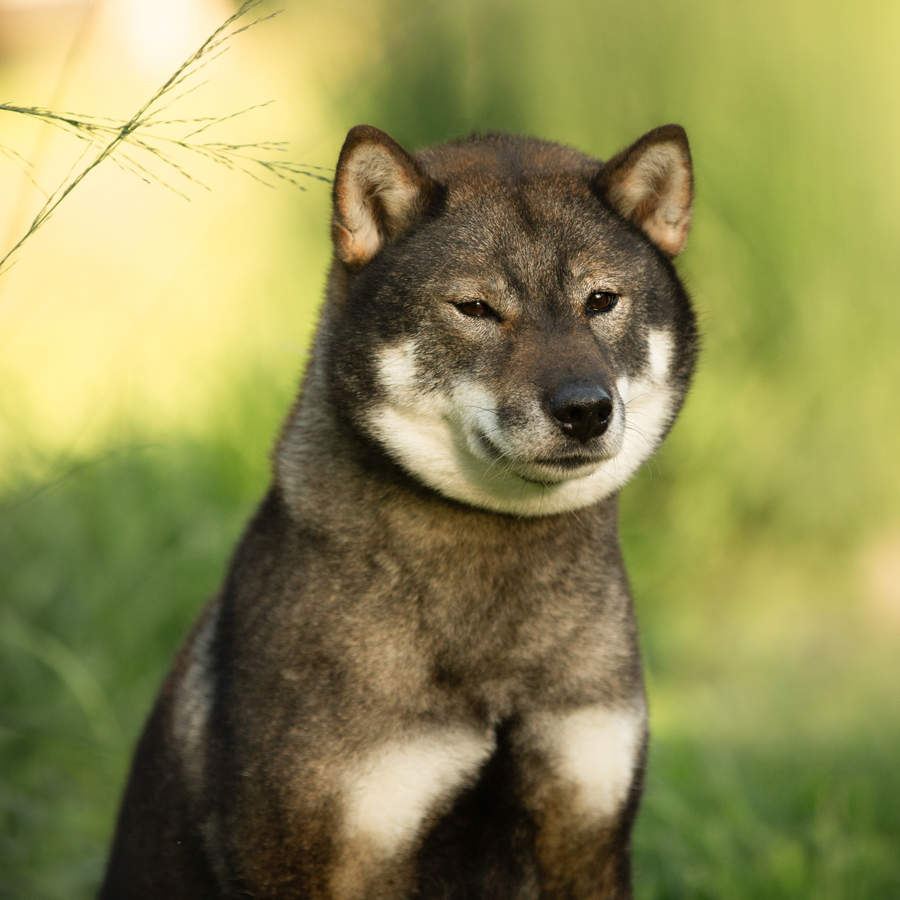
(362, 606)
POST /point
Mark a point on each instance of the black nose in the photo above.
(581, 409)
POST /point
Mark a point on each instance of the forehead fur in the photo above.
(504, 159)
(523, 210)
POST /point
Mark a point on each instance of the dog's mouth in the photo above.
(556, 470)
(567, 462)
(545, 470)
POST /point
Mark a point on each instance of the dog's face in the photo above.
(504, 334)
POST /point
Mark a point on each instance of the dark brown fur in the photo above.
(363, 608)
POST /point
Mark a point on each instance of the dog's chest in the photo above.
(500, 627)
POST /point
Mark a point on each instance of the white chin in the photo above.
(548, 474)
(538, 472)
(443, 457)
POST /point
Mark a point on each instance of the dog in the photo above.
(421, 677)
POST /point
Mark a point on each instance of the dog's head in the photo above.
(505, 321)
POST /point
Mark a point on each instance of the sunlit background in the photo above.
(149, 346)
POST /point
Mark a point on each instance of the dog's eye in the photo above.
(476, 309)
(600, 302)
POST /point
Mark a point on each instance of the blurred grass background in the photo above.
(150, 347)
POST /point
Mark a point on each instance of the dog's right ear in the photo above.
(379, 192)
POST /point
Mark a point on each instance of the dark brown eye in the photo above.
(476, 309)
(600, 302)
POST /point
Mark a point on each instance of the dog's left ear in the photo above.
(651, 184)
(379, 192)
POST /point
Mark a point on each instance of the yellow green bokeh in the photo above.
(149, 347)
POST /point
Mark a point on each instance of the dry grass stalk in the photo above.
(148, 137)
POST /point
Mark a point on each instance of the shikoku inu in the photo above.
(421, 676)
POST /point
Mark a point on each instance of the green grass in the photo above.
(797, 819)
(762, 544)
(116, 558)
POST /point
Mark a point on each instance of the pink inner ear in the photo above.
(669, 199)
(362, 177)
(377, 196)
(654, 190)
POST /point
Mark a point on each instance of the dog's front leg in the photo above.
(389, 796)
(581, 772)
(352, 830)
